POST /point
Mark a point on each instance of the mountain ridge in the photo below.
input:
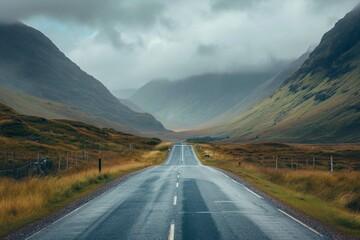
(192, 101)
(318, 103)
(32, 64)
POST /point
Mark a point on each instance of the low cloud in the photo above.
(125, 43)
(206, 49)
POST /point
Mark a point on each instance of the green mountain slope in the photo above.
(319, 103)
(32, 64)
(261, 92)
(190, 102)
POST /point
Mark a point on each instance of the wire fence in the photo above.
(296, 161)
(22, 164)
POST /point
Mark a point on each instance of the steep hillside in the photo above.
(188, 103)
(319, 103)
(32, 64)
(35, 106)
(131, 105)
(22, 132)
(262, 92)
(124, 93)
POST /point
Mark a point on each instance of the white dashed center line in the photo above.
(172, 232)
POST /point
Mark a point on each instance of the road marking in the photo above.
(120, 186)
(175, 200)
(253, 192)
(217, 171)
(298, 221)
(182, 154)
(178, 176)
(236, 181)
(172, 232)
(177, 185)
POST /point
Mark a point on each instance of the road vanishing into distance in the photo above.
(181, 199)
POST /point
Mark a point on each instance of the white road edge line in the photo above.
(252, 192)
(172, 232)
(75, 210)
(175, 200)
(298, 221)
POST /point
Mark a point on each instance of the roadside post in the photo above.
(331, 164)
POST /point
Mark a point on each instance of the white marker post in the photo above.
(331, 164)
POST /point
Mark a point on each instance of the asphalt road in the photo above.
(180, 199)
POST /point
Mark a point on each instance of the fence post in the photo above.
(14, 164)
(67, 159)
(59, 163)
(313, 162)
(276, 163)
(331, 164)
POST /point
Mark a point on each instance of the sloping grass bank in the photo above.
(333, 198)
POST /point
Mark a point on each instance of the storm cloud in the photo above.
(125, 43)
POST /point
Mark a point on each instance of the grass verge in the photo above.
(333, 198)
(28, 200)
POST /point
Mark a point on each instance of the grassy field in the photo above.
(30, 199)
(73, 148)
(333, 198)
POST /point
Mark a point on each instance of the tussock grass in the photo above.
(24, 201)
(164, 146)
(333, 198)
(73, 148)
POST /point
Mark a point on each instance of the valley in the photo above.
(127, 120)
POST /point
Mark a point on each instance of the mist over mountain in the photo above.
(261, 92)
(30, 63)
(318, 103)
(190, 102)
(124, 93)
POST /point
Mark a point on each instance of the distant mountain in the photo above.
(190, 102)
(131, 105)
(124, 93)
(318, 103)
(262, 92)
(34, 106)
(32, 64)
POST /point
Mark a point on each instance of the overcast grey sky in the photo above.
(126, 43)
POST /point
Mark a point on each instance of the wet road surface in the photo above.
(180, 199)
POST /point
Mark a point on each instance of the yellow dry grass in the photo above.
(24, 201)
(333, 198)
(163, 146)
